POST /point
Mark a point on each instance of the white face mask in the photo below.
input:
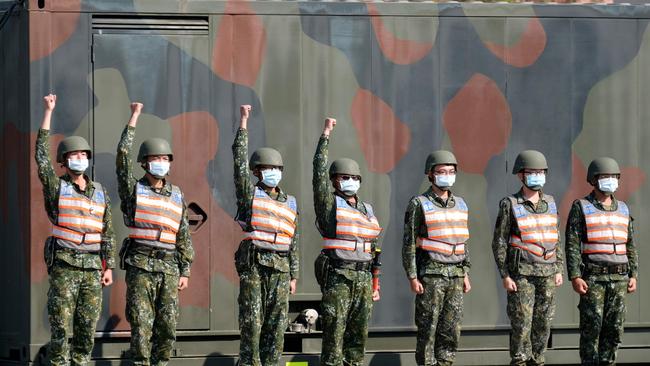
(158, 169)
(535, 181)
(78, 165)
(271, 177)
(444, 180)
(608, 185)
(350, 187)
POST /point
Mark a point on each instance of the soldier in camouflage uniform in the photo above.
(79, 254)
(348, 265)
(602, 262)
(529, 259)
(158, 252)
(267, 259)
(436, 261)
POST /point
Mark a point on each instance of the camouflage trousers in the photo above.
(263, 306)
(346, 307)
(602, 314)
(438, 313)
(531, 311)
(74, 298)
(152, 311)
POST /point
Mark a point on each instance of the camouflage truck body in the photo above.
(403, 79)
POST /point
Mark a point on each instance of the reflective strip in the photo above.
(601, 248)
(606, 220)
(536, 220)
(75, 236)
(157, 219)
(448, 232)
(346, 244)
(532, 248)
(268, 237)
(82, 222)
(273, 224)
(152, 235)
(81, 204)
(607, 235)
(264, 204)
(445, 216)
(162, 204)
(440, 247)
(354, 229)
(540, 236)
(344, 213)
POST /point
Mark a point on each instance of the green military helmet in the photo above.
(345, 166)
(439, 157)
(154, 146)
(529, 159)
(72, 143)
(266, 156)
(602, 165)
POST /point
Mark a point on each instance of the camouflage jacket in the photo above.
(417, 262)
(245, 192)
(324, 201)
(51, 185)
(505, 255)
(180, 264)
(576, 232)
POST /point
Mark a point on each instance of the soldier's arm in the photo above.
(184, 249)
(323, 197)
(412, 220)
(501, 237)
(46, 173)
(632, 254)
(294, 254)
(573, 239)
(123, 163)
(243, 186)
(559, 253)
(107, 250)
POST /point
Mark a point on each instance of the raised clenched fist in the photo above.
(49, 102)
(245, 110)
(136, 107)
(329, 125)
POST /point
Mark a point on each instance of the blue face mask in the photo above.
(350, 187)
(535, 181)
(271, 177)
(608, 185)
(158, 169)
(445, 180)
(78, 165)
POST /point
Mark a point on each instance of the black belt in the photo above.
(158, 253)
(593, 269)
(75, 251)
(281, 253)
(343, 264)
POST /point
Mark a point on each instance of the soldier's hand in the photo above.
(244, 112)
(416, 286)
(136, 108)
(579, 285)
(183, 282)
(49, 102)
(375, 295)
(559, 280)
(509, 284)
(329, 126)
(292, 286)
(467, 286)
(631, 285)
(107, 277)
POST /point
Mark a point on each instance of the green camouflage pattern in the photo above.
(439, 311)
(506, 256)
(345, 312)
(263, 306)
(417, 263)
(602, 314)
(575, 233)
(152, 311)
(74, 302)
(530, 309)
(51, 185)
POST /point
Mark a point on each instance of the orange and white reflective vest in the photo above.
(606, 233)
(157, 217)
(272, 222)
(447, 230)
(539, 233)
(80, 221)
(355, 232)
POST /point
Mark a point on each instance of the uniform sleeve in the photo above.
(323, 197)
(294, 253)
(573, 238)
(412, 222)
(501, 237)
(559, 252)
(184, 248)
(632, 254)
(108, 235)
(46, 174)
(124, 165)
(243, 186)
